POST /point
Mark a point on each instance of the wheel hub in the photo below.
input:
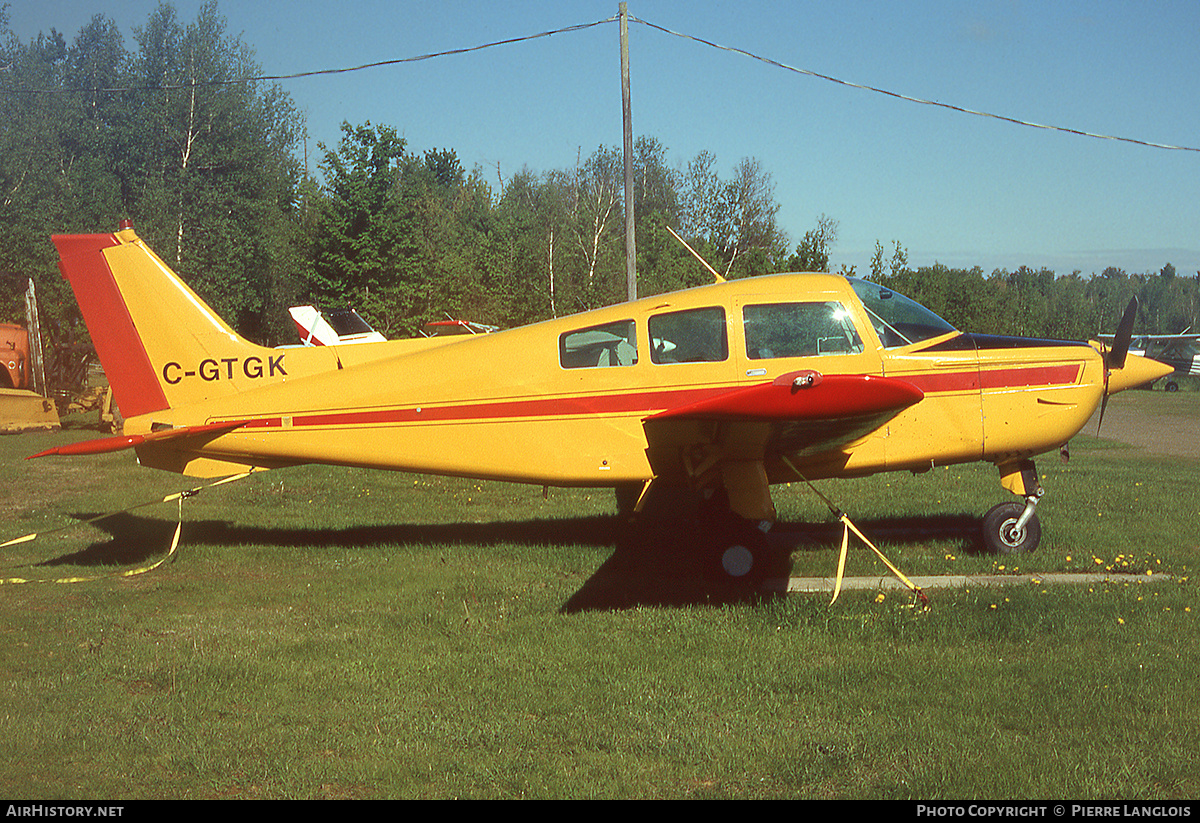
(737, 560)
(1010, 534)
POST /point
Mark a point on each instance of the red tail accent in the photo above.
(126, 364)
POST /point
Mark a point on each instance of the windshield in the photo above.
(898, 320)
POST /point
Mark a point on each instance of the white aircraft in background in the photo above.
(1180, 351)
(334, 327)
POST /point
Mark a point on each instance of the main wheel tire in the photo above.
(999, 536)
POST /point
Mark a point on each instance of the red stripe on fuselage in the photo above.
(556, 407)
(1059, 375)
(640, 402)
(1012, 378)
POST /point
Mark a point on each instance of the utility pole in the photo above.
(630, 240)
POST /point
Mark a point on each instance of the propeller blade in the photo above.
(1115, 357)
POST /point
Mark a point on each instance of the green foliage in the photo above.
(1041, 304)
(361, 241)
(813, 252)
(206, 167)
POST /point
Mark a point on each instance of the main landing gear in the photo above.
(1013, 528)
(697, 535)
(738, 553)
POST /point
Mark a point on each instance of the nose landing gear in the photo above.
(1012, 528)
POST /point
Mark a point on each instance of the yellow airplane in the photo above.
(723, 389)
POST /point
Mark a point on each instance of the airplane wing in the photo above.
(113, 444)
(799, 413)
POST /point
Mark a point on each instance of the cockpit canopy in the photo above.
(898, 320)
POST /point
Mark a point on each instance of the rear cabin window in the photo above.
(612, 344)
(799, 330)
(693, 336)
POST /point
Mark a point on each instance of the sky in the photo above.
(951, 188)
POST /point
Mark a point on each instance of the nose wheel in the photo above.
(1012, 528)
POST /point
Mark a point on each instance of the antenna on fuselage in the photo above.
(719, 278)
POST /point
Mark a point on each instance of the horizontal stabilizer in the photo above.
(115, 444)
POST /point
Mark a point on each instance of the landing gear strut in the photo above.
(1013, 528)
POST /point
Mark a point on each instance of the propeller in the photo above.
(1114, 358)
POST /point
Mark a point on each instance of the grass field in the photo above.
(332, 633)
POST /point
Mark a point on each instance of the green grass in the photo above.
(346, 634)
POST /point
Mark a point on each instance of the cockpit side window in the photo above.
(799, 330)
(692, 336)
(611, 344)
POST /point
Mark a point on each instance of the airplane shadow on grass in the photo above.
(648, 567)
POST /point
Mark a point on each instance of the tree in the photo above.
(812, 253)
(364, 240)
(656, 186)
(750, 209)
(55, 150)
(595, 210)
(212, 172)
(451, 216)
(701, 188)
(732, 222)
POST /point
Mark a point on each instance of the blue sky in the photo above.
(952, 188)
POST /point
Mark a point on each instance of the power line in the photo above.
(899, 96)
(316, 73)
(580, 27)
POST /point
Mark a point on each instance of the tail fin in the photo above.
(160, 345)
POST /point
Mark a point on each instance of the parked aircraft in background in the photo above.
(724, 390)
(448, 326)
(335, 327)
(1179, 351)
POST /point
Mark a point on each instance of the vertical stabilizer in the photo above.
(160, 345)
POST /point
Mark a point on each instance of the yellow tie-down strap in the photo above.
(178, 496)
(849, 527)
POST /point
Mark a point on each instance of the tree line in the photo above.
(210, 169)
(1029, 303)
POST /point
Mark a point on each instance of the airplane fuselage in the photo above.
(563, 402)
(723, 388)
